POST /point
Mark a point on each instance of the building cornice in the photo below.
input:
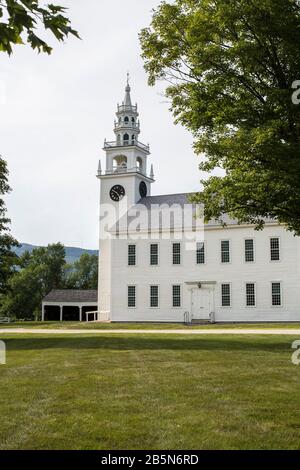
(188, 229)
(126, 174)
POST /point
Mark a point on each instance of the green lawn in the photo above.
(141, 326)
(149, 392)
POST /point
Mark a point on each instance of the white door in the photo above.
(201, 303)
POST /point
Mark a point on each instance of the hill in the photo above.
(72, 253)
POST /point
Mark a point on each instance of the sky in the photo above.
(57, 110)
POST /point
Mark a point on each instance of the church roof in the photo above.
(180, 199)
(71, 295)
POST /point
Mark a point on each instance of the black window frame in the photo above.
(154, 296)
(131, 296)
(176, 256)
(225, 254)
(131, 257)
(249, 251)
(276, 295)
(250, 296)
(200, 253)
(176, 295)
(226, 296)
(154, 256)
(274, 250)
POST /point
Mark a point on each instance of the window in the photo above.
(226, 297)
(131, 255)
(176, 296)
(131, 296)
(250, 294)
(249, 250)
(200, 253)
(154, 254)
(176, 253)
(153, 296)
(126, 138)
(274, 247)
(276, 294)
(225, 251)
(139, 163)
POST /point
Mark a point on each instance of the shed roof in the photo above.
(72, 295)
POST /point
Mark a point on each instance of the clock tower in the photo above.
(124, 182)
(125, 171)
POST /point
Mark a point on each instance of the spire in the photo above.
(152, 172)
(99, 168)
(127, 99)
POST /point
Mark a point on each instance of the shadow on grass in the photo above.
(226, 344)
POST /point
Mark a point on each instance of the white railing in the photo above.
(126, 143)
(123, 107)
(212, 317)
(130, 124)
(120, 169)
(186, 318)
(95, 315)
(98, 316)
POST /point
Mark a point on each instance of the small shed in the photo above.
(69, 305)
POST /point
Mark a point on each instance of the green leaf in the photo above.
(27, 16)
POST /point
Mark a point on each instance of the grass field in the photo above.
(149, 392)
(142, 326)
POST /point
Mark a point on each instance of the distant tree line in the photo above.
(35, 274)
(26, 279)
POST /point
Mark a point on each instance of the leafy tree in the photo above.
(24, 298)
(230, 67)
(40, 272)
(83, 274)
(51, 261)
(7, 257)
(24, 17)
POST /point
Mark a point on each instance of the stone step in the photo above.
(199, 321)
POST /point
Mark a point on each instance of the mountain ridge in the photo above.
(72, 253)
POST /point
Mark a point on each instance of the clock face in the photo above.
(143, 189)
(117, 192)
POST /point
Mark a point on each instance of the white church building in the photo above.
(154, 268)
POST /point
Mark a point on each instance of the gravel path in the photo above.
(227, 331)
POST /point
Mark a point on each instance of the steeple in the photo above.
(127, 99)
(127, 124)
(124, 182)
(126, 154)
